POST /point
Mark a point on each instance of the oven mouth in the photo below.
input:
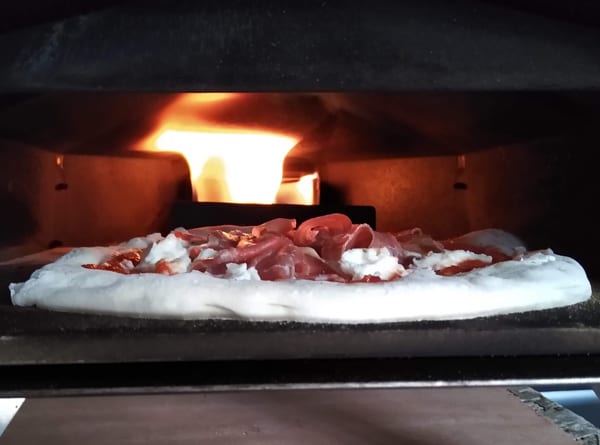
(447, 117)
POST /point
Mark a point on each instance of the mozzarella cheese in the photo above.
(207, 253)
(142, 242)
(377, 262)
(238, 272)
(447, 258)
(170, 249)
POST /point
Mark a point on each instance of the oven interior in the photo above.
(78, 169)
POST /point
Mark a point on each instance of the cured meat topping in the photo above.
(326, 248)
(121, 262)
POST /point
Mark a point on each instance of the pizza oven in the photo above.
(118, 120)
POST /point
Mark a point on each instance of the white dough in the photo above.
(541, 280)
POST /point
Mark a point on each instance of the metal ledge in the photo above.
(132, 378)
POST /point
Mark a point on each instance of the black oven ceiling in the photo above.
(326, 45)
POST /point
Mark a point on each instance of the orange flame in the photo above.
(227, 164)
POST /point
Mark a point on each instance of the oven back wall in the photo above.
(50, 199)
(544, 193)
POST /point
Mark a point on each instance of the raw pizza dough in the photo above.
(539, 280)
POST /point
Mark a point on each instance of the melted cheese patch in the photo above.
(170, 249)
(239, 272)
(376, 262)
(447, 258)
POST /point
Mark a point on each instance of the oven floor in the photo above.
(431, 416)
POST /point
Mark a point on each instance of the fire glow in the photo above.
(230, 164)
(231, 167)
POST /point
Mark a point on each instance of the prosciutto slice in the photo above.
(414, 241)
(497, 243)
(360, 236)
(282, 226)
(332, 235)
(315, 250)
(316, 231)
(275, 257)
(201, 235)
(248, 250)
(296, 262)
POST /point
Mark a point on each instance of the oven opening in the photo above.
(124, 119)
(94, 169)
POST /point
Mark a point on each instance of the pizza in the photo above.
(326, 269)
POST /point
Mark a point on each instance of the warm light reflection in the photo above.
(206, 97)
(228, 163)
(307, 187)
(301, 191)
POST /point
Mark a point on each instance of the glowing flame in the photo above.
(231, 167)
(227, 164)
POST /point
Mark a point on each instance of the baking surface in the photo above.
(423, 417)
